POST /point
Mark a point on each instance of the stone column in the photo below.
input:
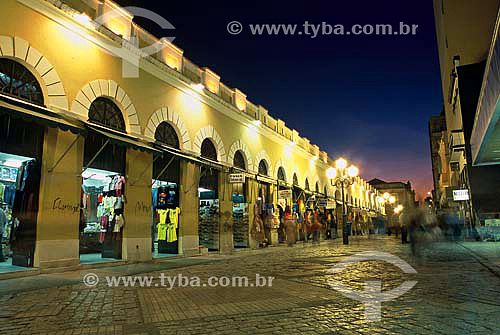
(226, 243)
(252, 198)
(189, 202)
(274, 231)
(137, 211)
(57, 239)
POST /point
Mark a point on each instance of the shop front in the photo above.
(25, 124)
(165, 193)
(20, 160)
(285, 201)
(208, 195)
(103, 199)
(265, 205)
(239, 197)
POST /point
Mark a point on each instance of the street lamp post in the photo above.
(341, 178)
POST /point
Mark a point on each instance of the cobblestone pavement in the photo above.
(455, 294)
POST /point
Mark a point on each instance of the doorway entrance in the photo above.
(165, 192)
(103, 187)
(208, 195)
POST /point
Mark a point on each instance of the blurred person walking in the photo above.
(316, 228)
(290, 227)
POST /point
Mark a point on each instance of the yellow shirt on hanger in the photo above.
(172, 226)
(162, 232)
(163, 215)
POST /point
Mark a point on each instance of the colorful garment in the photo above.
(104, 228)
(2, 189)
(162, 232)
(119, 185)
(119, 223)
(162, 213)
(173, 215)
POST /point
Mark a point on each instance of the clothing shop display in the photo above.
(167, 227)
(208, 228)
(102, 202)
(165, 217)
(21, 199)
(240, 225)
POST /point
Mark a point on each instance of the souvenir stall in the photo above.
(102, 209)
(166, 218)
(103, 198)
(240, 210)
(208, 228)
(20, 156)
(18, 175)
(266, 206)
(299, 207)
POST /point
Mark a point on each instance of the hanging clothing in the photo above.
(119, 223)
(104, 228)
(162, 231)
(162, 199)
(2, 190)
(173, 215)
(155, 198)
(9, 195)
(163, 214)
(119, 185)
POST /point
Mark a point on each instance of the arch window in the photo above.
(16, 80)
(239, 160)
(263, 167)
(105, 112)
(167, 135)
(281, 174)
(208, 150)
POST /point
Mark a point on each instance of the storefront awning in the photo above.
(186, 156)
(119, 138)
(17, 108)
(266, 179)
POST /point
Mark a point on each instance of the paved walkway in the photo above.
(455, 294)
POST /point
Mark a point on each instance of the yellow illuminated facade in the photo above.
(74, 64)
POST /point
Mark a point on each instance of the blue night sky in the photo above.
(366, 98)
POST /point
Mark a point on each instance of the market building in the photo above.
(98, 163)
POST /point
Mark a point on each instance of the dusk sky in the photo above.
(366, 98)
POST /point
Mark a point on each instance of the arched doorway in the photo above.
(264, 197)
(103, 185)
(240, 205)
(284, 201)
(208, 191)
(21, 151)
(165, 194)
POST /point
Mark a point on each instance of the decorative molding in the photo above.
(165, 114)
(20, 50)
(110, 89)
(210, 132)
(159, 70)
(280, 163)
(240, 145)
(262, 155)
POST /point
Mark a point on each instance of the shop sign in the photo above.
(460, 195)
(235, 178)
(321, 203)
(285, 194)
(330, 204)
